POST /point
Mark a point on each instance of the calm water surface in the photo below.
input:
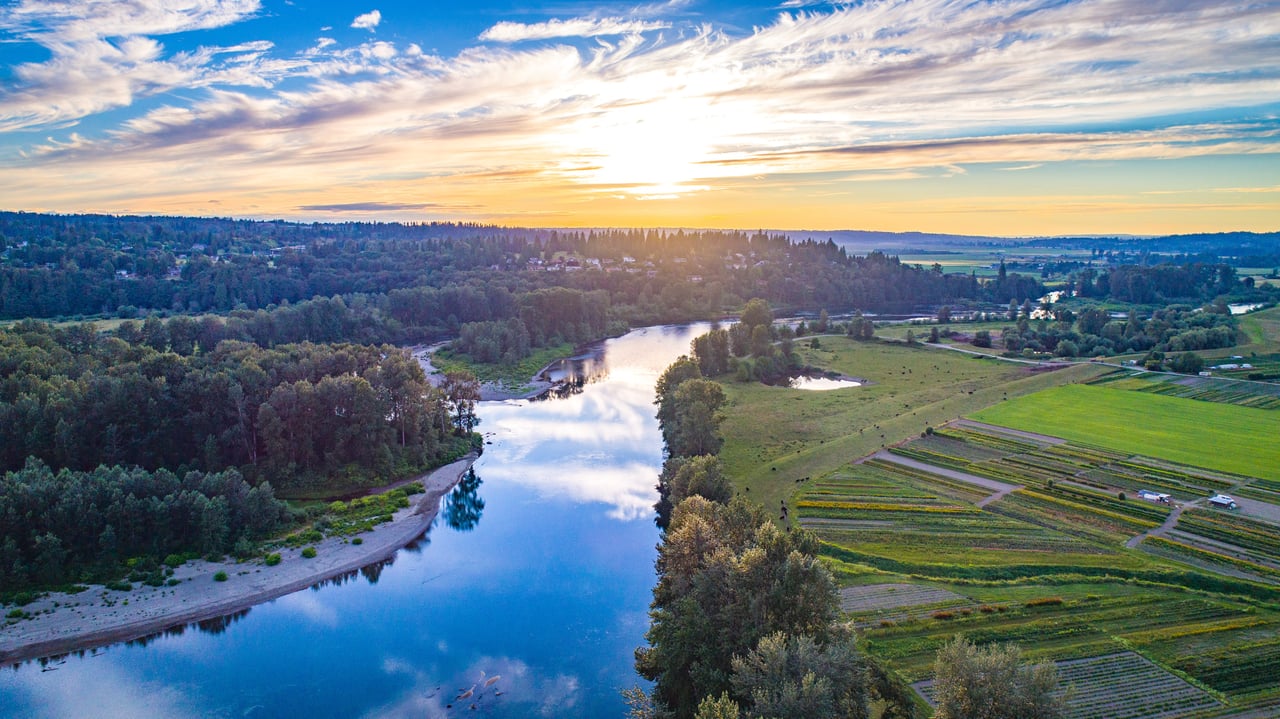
(543, 581)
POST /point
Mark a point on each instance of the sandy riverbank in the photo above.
(97, 617)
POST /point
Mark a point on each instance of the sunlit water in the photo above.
(548, 590)
(822, 384)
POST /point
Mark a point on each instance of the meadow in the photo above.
(777, 436)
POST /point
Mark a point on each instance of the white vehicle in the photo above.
(1222, 500)
(1153, 496)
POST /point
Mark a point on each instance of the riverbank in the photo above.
(63, 623)
(489, 391)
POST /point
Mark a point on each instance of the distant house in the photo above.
(1222, 500)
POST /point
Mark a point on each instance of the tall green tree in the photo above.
(993, 682)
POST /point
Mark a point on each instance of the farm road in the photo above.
(1011, 432)
(1163, 529)
(1000, 488)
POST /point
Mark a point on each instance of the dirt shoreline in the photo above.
(98, 617)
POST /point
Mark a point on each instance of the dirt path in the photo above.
(1000, 489)
(1163, 529)
(97, 617)
(1011, 432)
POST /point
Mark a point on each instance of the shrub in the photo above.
(1044, 602)
(943, 615)
(174, 582)
(119, 586)
(1121, 496)
(358, 541)
(16, 614)
(309, 552)
(272, 559)
(173, 561)
(220, 576)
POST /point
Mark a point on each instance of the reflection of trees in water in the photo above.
(571, 375)
(564, 390)
(462, 509)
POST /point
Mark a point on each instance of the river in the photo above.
(531, 592)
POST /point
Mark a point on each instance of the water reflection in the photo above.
(549, 593)
(596, 442)
(464, 505)
(822, 383)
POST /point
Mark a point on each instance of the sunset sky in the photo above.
(1015, 117)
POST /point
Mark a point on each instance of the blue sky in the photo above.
(1011, 117)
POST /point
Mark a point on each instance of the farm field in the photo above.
(1019, 536)
(1208, 389)
(1046, 567)
(1201, 434)
(1122, 686)
(777, 436)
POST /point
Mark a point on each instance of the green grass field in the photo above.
(1224, 437)
(776, 436)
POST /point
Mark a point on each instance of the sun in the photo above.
(655, 151)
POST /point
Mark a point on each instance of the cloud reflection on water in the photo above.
(598, 446)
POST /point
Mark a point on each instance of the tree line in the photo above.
(298, 414)
(71, 526)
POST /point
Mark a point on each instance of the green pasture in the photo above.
(1216, 436)
(775, 437)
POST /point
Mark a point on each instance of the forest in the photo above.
(71, 526)
(297, 414)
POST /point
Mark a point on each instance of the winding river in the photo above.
(527, 599)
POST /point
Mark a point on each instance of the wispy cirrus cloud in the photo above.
(104, 55)
(510, 32)
(905, 88)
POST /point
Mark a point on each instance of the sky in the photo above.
(994, 117)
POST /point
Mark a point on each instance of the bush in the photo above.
(16, 614)
(1044, 602)
(173, 561)
(220, 576)
(309, 553)
(358, 541)
(272, 559)
(174, 582)
(119, 586)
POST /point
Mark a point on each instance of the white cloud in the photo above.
(506, 31)
(103, 55)
(865, 89)
(367, 21)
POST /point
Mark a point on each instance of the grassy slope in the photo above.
(1203, 434)
(807, 434)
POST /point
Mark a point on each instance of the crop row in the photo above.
(1260, 537)
(879, 597)
(882, 507)
(1237, 667)
(1223, 391)
(1181, 549)
(920, 478)
(1003, 443)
